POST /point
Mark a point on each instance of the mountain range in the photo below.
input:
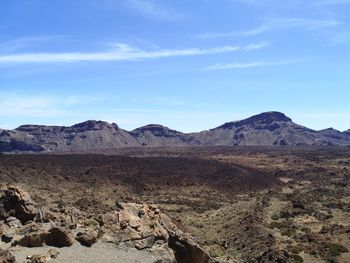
(265, 129)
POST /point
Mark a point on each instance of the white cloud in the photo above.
(221, 66)
(153, 10)
(301, 24)
(121, 52)
(25, 42)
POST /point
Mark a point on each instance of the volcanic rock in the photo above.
(88, 238)
(59, 237)
(6, 257)
(14, 201)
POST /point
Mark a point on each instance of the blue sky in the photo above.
(190, 65)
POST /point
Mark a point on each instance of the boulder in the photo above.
(15, 202)
(7, 238)
(13, 222)
(148, 242)
(88, 238)
(59, 237)
(33, 239)
(187, 251)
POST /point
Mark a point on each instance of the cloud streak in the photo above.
(39, 105)
(25, 42)
(302, 24)
(153, 10)
(256, 64)
(120, 52)
(331, 2)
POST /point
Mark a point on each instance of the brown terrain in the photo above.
(226, 204)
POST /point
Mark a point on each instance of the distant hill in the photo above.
(265, 129)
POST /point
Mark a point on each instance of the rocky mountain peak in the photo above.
(92, 125)
(155, 129)
(265, 118)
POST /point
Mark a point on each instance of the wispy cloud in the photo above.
(39, 105)
(25, 42)
(153, 10)
(256, 64)
(249, 2)
(163, 101)
(331, 2)
(339, 38)
(120, 52)
(302, 24)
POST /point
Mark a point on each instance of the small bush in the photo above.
(274, 225)
(288, 232)
(91, 222)
(275, 217)
(294, 249)
(335, 250)
(296, 258)
(216, 251)
(306, 230)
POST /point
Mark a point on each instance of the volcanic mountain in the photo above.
(265, 129)
(271, 128)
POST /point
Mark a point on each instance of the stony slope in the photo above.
(138, 232)
(271, 128)
(84, 136)
(157, 135)
(268, 129)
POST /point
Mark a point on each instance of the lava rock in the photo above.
(14, 201)
(59, 237)
(87, 238)
(6, 238)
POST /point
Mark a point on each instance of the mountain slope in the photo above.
(269, 128)
(266, 129)
(158, 135)
(84, 136)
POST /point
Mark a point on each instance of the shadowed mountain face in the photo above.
(269, 128)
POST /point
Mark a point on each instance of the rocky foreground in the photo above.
(128, 233)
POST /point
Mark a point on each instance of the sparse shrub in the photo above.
(324, 230)
(275, 217)
(294, 249)
(226, 226)
(287, 232)
(335, 250)
(310, 211)
(216, 251)
(91, 222)
(296, 258)
(274, 225)
(306, 230)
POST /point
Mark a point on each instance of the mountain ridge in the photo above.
(266, 129)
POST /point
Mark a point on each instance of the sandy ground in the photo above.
(100, 252)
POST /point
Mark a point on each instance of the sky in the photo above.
(190, 65)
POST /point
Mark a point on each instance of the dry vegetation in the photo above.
(244, 204)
